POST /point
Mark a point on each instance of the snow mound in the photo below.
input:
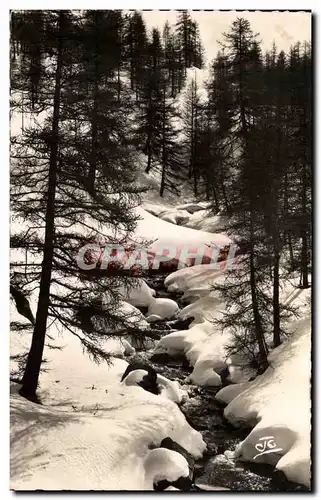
(140, 296)
(162, 308)
(206, 371)
(163, 464)
(168, 389)
(151, 318)
(278, 404)
(174, 216)
(171, 389)
(193, 207)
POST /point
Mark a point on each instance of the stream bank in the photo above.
(214, 471)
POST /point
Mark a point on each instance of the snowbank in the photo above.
(162, 308)
(92, 432)
(169, 389)
(278, 404)
(106, 448)
(140, 296)
(168, 241)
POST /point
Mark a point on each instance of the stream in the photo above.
(214, 471)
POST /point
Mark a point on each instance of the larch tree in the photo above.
(72, 180)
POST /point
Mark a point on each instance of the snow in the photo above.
(163, 464)
(164, 236)
(168, 389)
(193, 206)
(105, 449)
(162, 308)
(171, 389)
(143, 296)
(203, 373)
(277, 404)
(140, 296)
(179, 217)
(92, 432)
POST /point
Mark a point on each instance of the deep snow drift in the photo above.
(92, 431)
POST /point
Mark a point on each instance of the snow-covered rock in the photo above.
(206, 371)
(151, 318)
(230, 392)
(171, 389)
(162, 464)
(162, 308)
(166, 388)
(139, 296)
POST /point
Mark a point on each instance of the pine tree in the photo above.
(219, 111)
(190, 119)
(135, 48)
(171, 63)
(169, 156)
(246, 297)
(300, 102)
(187, 32)
(72, 181)
(150, 103)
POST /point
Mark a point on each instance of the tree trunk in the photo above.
(304, 260)
(256, 313)
(31, 375)
(162, 186)
(149, 156)
(94, 134)
(118, 84)
(291, 252)
(94, 118)
(276, 300)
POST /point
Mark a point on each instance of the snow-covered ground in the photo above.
(92, 431)
(277, 403)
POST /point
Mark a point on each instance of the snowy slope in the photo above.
(92, 432)
(151, 227)
(278, 402)
(103, 449)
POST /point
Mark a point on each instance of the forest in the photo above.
(104, 100)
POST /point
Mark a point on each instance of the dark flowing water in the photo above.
(205, 414)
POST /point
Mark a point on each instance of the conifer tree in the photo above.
(72, 180)
(244, 290)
